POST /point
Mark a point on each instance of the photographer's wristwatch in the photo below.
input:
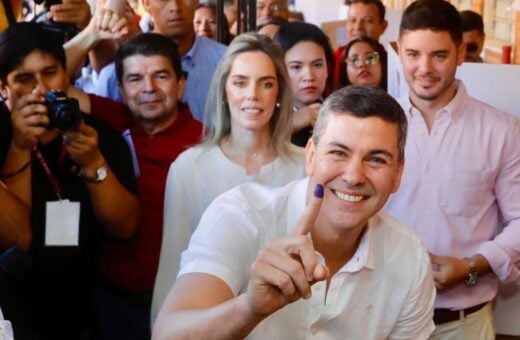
(100, 176)
(472, 277)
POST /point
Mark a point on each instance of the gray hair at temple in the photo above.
(363, 102)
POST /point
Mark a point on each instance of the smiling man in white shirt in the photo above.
(314, 258)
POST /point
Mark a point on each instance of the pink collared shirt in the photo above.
(460, 190)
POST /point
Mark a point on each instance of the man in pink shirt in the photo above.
(461, 185)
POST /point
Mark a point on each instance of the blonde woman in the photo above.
(249, 107)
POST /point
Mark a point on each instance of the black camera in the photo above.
(64, 113)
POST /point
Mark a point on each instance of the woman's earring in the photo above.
(278, 104)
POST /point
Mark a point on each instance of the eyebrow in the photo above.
(371, 152)
(240, 76)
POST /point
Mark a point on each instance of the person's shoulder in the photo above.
(208, 46)
(396, 229)
(254, 196)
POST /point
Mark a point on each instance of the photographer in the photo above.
(72, 173)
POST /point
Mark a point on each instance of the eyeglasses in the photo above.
(275, 7)
(359, 60)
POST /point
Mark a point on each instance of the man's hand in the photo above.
(448, 271)
(29, 119)
(74, 12)
(107, 24)
(82, 146)
(286, 268)
(306, 116)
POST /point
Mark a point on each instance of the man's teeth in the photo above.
(348, 198)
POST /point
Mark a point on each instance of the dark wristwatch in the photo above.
(472, 278)
(101, 174)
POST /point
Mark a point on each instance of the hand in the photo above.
(82, 146)
(29, 119)
(285, 269)
(108, 24)
(75, 12)
(448, 271)
(306, 116)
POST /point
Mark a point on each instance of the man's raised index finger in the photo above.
(311, 212)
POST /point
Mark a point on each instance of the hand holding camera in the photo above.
(32, 115)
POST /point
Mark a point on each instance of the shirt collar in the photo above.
(364, 257)
(183, 116)
(190, 56)
(453, 109)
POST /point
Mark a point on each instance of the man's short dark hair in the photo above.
(378, 3)
(435, 15)
(472, 21)
(148, 44)
(363, 102)
(21, 39)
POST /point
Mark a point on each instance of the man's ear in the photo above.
(310, 153)
(384, 24)
(397, 179)
(3, 90)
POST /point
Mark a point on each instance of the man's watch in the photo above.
(472, 278)
(101, 174)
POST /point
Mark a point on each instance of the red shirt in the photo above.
(337, 65)
(132, 264)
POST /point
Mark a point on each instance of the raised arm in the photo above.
(106, 26)
(203, 306)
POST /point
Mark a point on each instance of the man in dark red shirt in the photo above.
(158, 128)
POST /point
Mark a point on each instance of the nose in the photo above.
(354, 174)
(307, 74)
(174, 5)
(149, 84)
(359, 25)
(251, 92)
(425, 63)
(41, 87)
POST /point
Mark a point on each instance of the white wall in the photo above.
(319, 11)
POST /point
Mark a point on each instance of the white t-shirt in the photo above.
(385, 291)
(196, 177)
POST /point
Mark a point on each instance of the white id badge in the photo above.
(62, 223)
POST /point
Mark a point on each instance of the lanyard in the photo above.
(43, 162)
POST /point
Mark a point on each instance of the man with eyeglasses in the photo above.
(266, 9)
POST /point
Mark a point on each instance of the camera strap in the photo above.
(45, 165)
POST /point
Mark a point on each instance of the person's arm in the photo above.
(116, 208)
(74, 12)
(28, 121)
(306, 116)
(212, 312)
(500, 254)
(105, 26)
(202, 306)
(15, 225)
